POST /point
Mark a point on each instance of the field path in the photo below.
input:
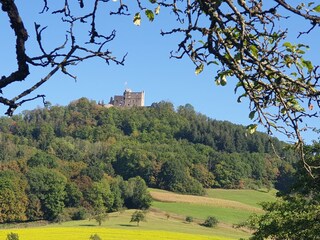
(179, 198)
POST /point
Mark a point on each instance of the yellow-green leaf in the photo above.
(317, 8)
(199, 69)
(297, 107)
(157, 10)
(252, 128)
(137, 19)
(254, 50)
(287, 44)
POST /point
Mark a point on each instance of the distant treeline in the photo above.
(85, 158)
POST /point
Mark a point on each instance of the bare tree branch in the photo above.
(60, 57)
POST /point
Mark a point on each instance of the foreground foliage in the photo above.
(296, 214)
(293, 218)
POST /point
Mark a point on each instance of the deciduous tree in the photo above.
(13, 198)
(138, 216)
(49, 187)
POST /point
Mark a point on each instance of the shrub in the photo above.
(189, 219)
(95, 237)
(210, 222)
(63, 217)
(12, 236)
(80, 214)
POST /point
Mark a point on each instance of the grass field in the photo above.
(228, 206)
(249, 197)
(201, 212)
(118, 227)
(165, 220)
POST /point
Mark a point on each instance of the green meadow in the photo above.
(165, 220)
(225, 215)
(250, 197)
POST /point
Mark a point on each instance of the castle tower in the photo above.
(128, 99)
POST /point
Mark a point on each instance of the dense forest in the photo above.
(66, 162)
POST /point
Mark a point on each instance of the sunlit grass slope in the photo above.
(165, 220)
(118, 227)
(250, 197)
(228, 206)
(225, 215)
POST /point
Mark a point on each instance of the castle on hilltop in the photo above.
(128, 99)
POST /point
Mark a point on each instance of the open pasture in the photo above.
(228, 206)
(199, 200)
(118, 227)
(165, 220)
(248, 197)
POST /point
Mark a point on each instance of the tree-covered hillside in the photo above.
(85, 158)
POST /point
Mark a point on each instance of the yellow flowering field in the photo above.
(84, 233)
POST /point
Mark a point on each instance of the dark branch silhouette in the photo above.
(58, 58)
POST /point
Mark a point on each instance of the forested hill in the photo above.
(138, 141)
(86, 144)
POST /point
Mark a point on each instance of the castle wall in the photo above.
(129, 99)
(134, 99)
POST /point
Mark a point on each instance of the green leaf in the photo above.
(310, 4)
(254, 50)
(297, 107)
(252, 128)
(287, 44)
(223, 80)
(307, 64)
(150, 15)
(273, 125)
(213, 62)
(317, 8)
(288, 60)
(157, 10)
(137, 19)
(239, 84)
(294, 74)
(299, 51)
(199, 69)
(239, 98)
(237, 57)
(251, 115)
(153, 1)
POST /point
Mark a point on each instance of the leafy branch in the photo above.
(244, 39)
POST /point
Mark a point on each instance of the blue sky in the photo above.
(147, 68)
